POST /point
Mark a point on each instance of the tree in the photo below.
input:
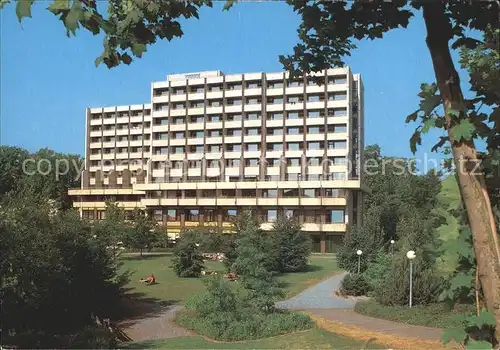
(327, 31)
(292, 245)
(142, 234)
(187, 260)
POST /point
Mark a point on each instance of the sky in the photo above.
(47, 79)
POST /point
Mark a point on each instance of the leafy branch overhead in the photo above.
(128, 25)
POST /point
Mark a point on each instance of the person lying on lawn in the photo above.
(149, 280)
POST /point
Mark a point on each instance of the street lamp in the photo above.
(411, 255)
(359, 253)
(392, 246)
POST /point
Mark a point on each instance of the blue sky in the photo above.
(48, 80)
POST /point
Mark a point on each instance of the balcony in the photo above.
(214, 94)
(196, 96)
(233, 124)
(234, 93)
(214, 125)
(214, 110)
(253, 107)
(178, 98)
(274, 107)
(96, 121)
(253, 92)
(178, 127)
(178, 112)
(233, 108)
(160, 98)
(196, 126)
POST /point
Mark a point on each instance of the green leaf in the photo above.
(475, 344)
(463, 130)
(228, 5)
(73, 16)
(457, 334)
(138, 49)
(461, 281)
(23, 9)
(59, 5)
(485, 318)
(3, 3)
(429, 123)
(454, 112)
(412, 117)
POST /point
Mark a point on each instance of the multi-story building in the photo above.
(210, 145)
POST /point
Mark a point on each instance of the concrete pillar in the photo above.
(323, 243)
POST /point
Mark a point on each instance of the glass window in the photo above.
(233, 162)
(214, 118)
(253, 101)
(338, 160)
(275, 116)
(275, 146)
(293, 115)
(336, 216)
(291, 177)
(270, 193)
(341, 79)
(253, 85)
(253, 116)
(215, 148)
(309, 193)
(337, 144)
(313, 98)
(295, 83)
(172, 215)
(253, 131)
(271, 215)
(337, 96)
(179, 135)
(215, 103)
(197, 133)
(233, 132)
(337, 112)
(192, 215)
(252, 162)
(313, 161)
(234, 102)
(234, 87)
(337, 128)
(294, 99)
(275, 85)
(313, 130)
(215, 88)
(252, 146)
(197, 119)
(178, 150)
(234, 147)
(293, 161)
(313, 114)
(314, 145)
(293, 131)
(234, 117)
(294, 146)
(215, 133)
(275, 100)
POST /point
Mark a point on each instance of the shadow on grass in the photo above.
(145, 256)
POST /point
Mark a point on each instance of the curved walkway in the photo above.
(321, 301)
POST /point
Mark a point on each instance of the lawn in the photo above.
(173, 289)
(434, 315)
(311, 339)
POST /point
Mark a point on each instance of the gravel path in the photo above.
(157, 326)
(320, 296)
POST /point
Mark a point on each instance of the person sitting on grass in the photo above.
(149, 280)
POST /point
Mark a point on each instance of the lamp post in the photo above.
(411, 255)
(392, 246)
(359, 253)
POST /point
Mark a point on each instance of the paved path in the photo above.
(157, 326)
(321, 301)
(319, 296)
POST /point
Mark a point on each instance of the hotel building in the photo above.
(210, 144)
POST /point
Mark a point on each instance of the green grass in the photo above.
(434, 315)
(174, 289)
(311, 339)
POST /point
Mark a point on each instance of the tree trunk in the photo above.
(471, 180)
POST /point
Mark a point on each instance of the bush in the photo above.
(187, 260)
(376, 271)
(223, 313)
(354, 284)
(394, 288)
(431, 315)
(292, 245)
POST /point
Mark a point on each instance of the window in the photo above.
(233, 132)
(271, 215)
(275, 146)
(313, 82)
(161, 136)
(161, 107)
(273, 162)
(314, 145)
(197, 133)
(294, 99)
(336, 216)
(234, 101)
(234, 86)
(215, 133)
(197, 104)
(159, 150)
(275, 131)
(253, 85)
(209, 215)
(314, 130)
(340, 79)
(313, 161)
(295, 83)
(338, 160)
(179, 91)
(252, 162)
(337, 96)
(293, 131)
(270, 193)
(291, 177)
(214, 118)
(213, 163)
(179, 135)
(233, 163)
(252, 116)
(275, 85)
(253, 131)
(234, 148)
(275, 116)
(215, 88)
(337, 144)
(234, 117)
(172, 215)
(215, 103)
(162, 121)
(337, 176)
(197, 149)
(179, 106)
(275, 100)
(230, 213)
(335, 193)
(178, 150)
(337, 112)
(179, 120)
(294, 115)
(252, 147)
(294, 146)
(197, 119)
(192, 215)
(197, 89)
(253, 101)
(309, 193)
(314, 114)
(293, 161)
(313, 98)
(337, 128)
(215, 148)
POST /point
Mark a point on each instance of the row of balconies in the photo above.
(96, 119)
(250, 108)
(308, 89)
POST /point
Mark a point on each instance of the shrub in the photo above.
(354, 284)
(376, 271)
(292, 245)
(187, 260)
